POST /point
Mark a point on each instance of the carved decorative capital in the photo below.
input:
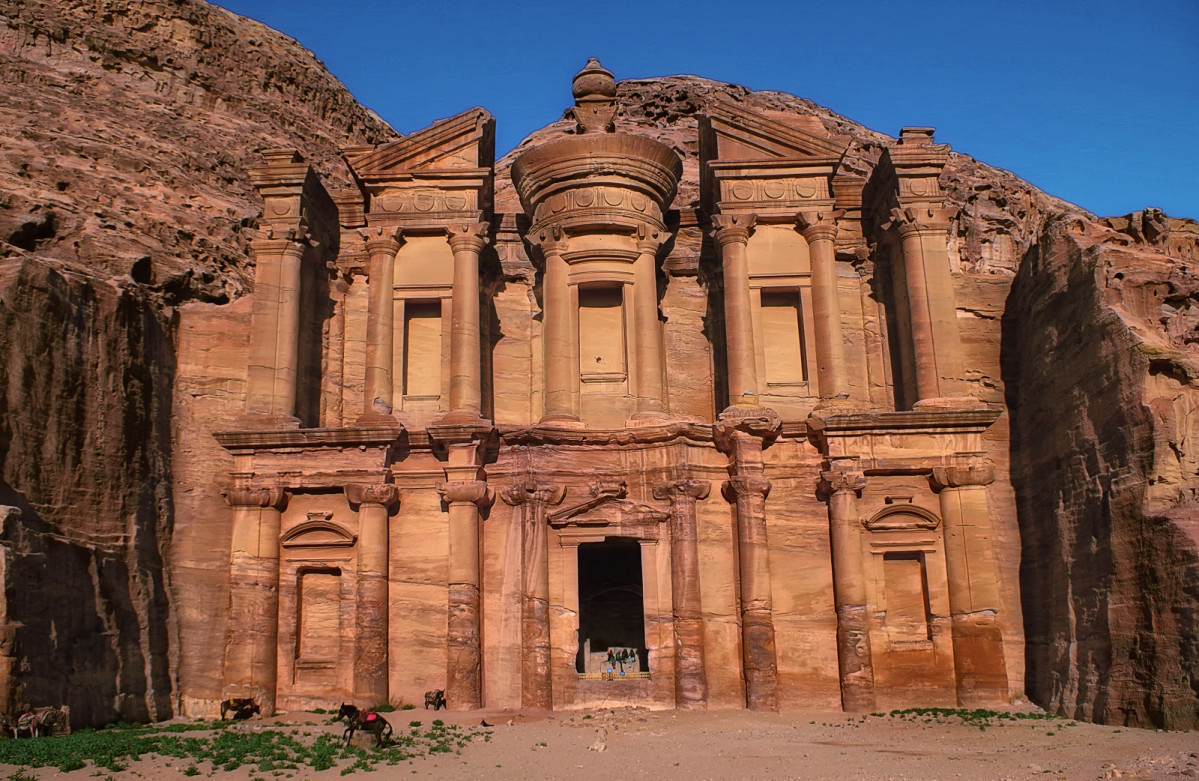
(919, 219)
(745, 485)
(818, 225)
(728, 228)
(255, 496)
(533, 493)
(759, 422)
(835, 481)
(381, 240)
(467, 492)
(468, 237)
(980, 472)
(550, 240)
(272, 241)
(687, 488)
(385, 494)
(650, 239)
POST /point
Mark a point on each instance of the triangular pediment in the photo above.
(737, 134)
(462, 142)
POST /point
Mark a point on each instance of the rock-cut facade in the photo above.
(563, 433)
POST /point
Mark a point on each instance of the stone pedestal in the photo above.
(252, 637)
(979, 660)
(536, 666)
(375, 504)
(849, 590)
(691, 681)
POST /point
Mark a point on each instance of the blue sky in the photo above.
(1096, 102)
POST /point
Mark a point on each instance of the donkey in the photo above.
(366, 721)
(240, 707)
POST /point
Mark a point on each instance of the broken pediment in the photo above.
(605, 505)
(456, 145)
(731, 133)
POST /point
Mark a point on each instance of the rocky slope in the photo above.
(128, 127)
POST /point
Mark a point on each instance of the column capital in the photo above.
(835, 481)
(381, 240)
(745, 485)
(650, 239)
(729, 228)
(550, 240)
(818, 225)
(687, 487)
(976, 471)
(920, 219)
(475, 492)
(385, 494)
(274, 242)
(468, 236)
(255, 496)
(533, 493)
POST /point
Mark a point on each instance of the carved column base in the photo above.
(376, 420)
(979, 660)
(853, 657)
(761, 673)
(464, 666)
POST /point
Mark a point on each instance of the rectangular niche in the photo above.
(602, 335)
(422, 349)
(782, 338)
(907, 597)
(318, 637)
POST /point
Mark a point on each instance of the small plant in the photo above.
(191, 770)
(407, 706)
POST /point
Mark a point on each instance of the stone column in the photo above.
(382, 244)
(466, 241)
(980, 665)
(732, 235)
(820, 231)
(558, 317)
(375, 503)
(537, 690)
(649, 359)
(757, 619)
(849, 589)
(251, 642)
(275, 332)
(932, 311)
(463, 496)
(691, 679)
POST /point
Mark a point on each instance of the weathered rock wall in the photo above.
(1100, 394)
(128, 128)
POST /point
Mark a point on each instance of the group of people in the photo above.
(620, 657)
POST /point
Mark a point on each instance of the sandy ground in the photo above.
(626, 744)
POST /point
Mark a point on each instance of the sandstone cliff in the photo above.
(128, 127)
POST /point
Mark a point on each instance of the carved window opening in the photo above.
(906, 582)
(318, 620)
(783, 343)
(611, 608)
(602, 349)
(422, 350)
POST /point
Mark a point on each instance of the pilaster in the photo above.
(375, 503)
(466, 240)
(382, 244)
(560, 328)
(251, 667)
(536, 672)
(731, 232)
(647, 344)
(691, 681)
(979, 657)
(819, 229)
(843, 487)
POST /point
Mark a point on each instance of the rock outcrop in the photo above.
(129, 127)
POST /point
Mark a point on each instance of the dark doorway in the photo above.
(611, 604)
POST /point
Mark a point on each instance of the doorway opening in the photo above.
(611, 608)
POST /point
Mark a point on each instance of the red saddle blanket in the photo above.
(368, 717)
